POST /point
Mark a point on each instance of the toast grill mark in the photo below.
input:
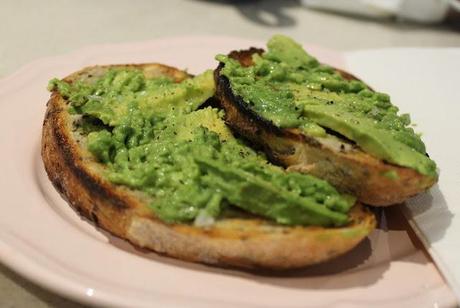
(73, 161)
(241, 112)
(242, 106)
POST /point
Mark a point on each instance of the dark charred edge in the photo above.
(244, 56)
(71, 161)
(212, 102)
(224, 86)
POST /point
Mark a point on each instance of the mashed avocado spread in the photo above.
(152, 136)
(293, 90)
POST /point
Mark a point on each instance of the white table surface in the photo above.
(35, 29)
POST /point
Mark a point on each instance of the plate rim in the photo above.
(7, 252)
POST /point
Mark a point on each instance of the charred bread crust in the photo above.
(354, 171)
(242, 242)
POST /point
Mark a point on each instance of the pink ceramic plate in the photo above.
(47, 242)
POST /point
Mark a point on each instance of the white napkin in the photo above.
(426, 83)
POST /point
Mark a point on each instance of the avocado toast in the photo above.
(133, 149)
(318, 120)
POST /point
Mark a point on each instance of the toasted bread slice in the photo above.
(338, 161)
(242, 242)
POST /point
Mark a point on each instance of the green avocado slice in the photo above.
(265, 198)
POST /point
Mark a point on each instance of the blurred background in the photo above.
(35, 29)
(32, 29)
